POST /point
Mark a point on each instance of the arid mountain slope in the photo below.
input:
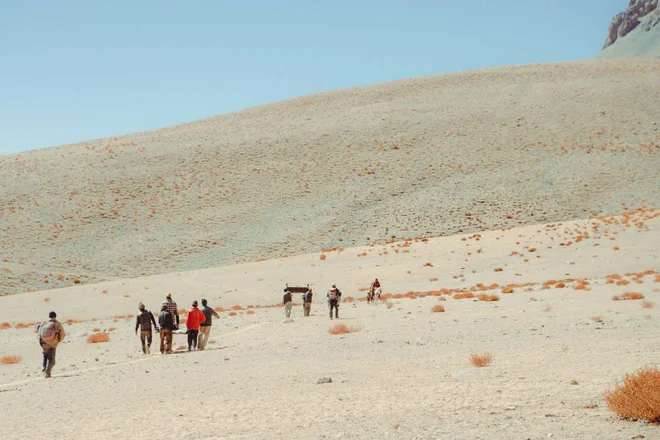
(634, 33)
(421, 157)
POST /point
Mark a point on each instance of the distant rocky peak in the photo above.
(638, 10)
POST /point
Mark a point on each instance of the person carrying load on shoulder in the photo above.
(173, 309)
(205, 327)
(307, 302)
(193, 322)
(51, 333)
(334, 296)
(373, 289)
(166, 328)
(287, 301)
(145, 319)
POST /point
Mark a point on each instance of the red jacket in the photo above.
(195, 318)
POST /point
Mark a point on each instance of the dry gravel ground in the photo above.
(405, 375)
(430, 156)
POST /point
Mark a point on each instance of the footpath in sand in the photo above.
(558, 341)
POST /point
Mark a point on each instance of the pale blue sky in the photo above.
(75, 70)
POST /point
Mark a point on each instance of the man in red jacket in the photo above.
(195, 318)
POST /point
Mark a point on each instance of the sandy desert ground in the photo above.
(559, 341)
(424, 157)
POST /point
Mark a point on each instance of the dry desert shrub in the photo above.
(251, 312)
(547, 308)
(322, 257)
(487, 298)
(389, 305)
(628, 296)
(340, 329)
(8, 360)
(481, 360)
(98, 337)
(438, 309)
(348, 299)
(46, 299)
(637, 397)
(648, 304)
(104, 291)
(5, 326)
(463, 295)
(231, 314)
(96, 330)
(507, 290)
(597, 318)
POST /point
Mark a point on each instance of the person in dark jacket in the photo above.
(145, 319)
(166, 327)
(307, 302)
(287, 300)
(205, 327)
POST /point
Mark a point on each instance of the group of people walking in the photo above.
(333, 295)
(198, 323)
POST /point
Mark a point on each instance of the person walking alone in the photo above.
(287, 300)
(166, 327)
(205, 327)
(51, 334)
(144, 319)
(195, 318)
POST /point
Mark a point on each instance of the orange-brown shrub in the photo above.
(98, 337)
(251, 312)
(5, 326)
(46, 299)
(231, 313)
(487, 298)
(560, 285)
(348, 299)
(104, 291)
(237, 307)
(597, 318)
(112, 329)
(463, 295)
(339, 329)
(507, 290)
(648, 304)
(632, 296)
(438, 309)
(616, 298)
(8, 360)
(481, 360)
(637, 397)
(76, 281)
(323, 257)
(96, 330)
(622, 283)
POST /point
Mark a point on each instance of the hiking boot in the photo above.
(47, 376)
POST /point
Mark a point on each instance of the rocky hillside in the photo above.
(634, 32)
(431, 156)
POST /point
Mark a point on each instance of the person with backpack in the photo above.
(334, 296)
(205, 327)
(166, 323)
(287, 300)
(307, 302)
(194, 320)
(144, 319)
(51, 333)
